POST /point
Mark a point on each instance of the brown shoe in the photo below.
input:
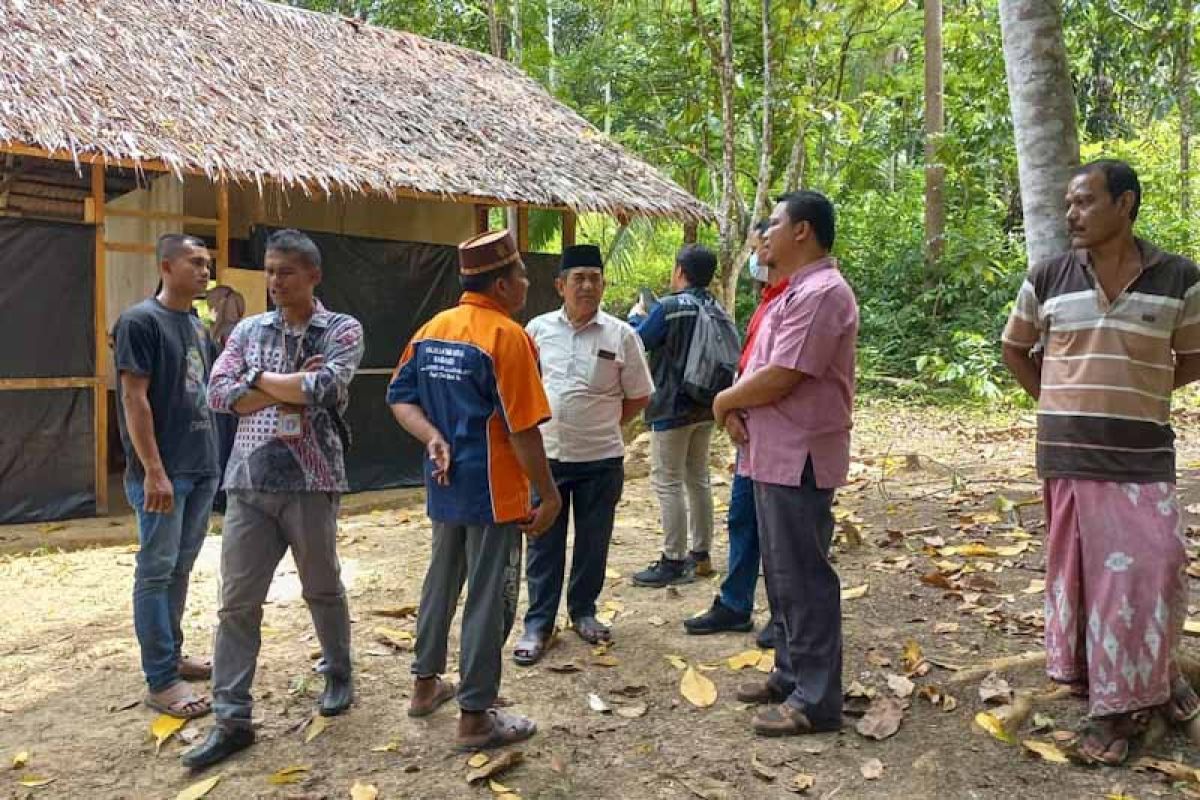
(701, 564)
(759, 693)
(781, 720)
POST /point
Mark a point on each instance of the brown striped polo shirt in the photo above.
(1108, 369)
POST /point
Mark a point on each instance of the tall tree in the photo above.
(1183, 89)
(1043, 115)
(935, 122)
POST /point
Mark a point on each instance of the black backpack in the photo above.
(712, 356)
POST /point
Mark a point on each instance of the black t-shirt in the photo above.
(176, 352)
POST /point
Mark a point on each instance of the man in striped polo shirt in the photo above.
(1118, 321)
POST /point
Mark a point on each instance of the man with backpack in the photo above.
(693, 351)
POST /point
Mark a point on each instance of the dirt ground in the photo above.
(926, 480)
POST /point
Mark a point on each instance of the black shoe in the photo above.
(664, 572)
(336, 697)
(766, 637)
(718, 619)
(219, 745)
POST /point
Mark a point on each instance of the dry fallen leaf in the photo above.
(746, 658)
(395, 639)
(855, 592)
(20, 760)
(293, 774)
(1036, 586)
(632, 711)
(478, 760)
(35, 781)
(496, 766)
(901, 686)
(761, 770)
(164, 727)
(398, 612)
(676, 662)
(801, 783)
(363, 791)
(913, 659)
(1192, 627)
(767, 662)
(882, 719)
(316, 726)
(656, 621)
(995, 726)
(697, 689)
(1046, 750)
(871, 769)
(564, 669)
(199, 789)
(605, 661)
(995, 689)
(597, 704)
(1174, 770)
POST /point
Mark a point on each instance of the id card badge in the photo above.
(290, 425)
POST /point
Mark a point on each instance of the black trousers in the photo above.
(592, 489)
(795, 527)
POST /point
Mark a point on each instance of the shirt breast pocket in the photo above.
(606, 372)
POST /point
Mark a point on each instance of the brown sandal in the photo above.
(445, 693)
(186, 705)
(506, 729)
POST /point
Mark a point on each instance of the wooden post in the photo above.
(523, 229)
(481, 218)
(222, 230)
(100, 389)
(568, 229)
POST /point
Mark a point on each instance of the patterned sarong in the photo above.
(1116, 590)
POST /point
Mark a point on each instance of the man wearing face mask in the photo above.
(732, 609)
(597, 379)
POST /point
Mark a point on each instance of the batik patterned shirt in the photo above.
(262, 460)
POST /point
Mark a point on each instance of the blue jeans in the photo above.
(594, 488)
(169, 546)
(737, 590)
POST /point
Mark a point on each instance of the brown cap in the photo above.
(486, 252)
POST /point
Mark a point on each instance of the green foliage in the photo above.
(848, 86)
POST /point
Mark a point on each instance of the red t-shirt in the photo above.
(769, 293)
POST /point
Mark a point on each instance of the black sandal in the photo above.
(591, 630)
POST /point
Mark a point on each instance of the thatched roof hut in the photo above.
(249, 90)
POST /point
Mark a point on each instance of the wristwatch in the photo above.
(252, 376)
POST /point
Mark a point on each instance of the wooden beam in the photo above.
(523, 229)
(481, 218)
(100, 298)
(149, 164)
(128, 247)
(25, 384)
(160, 215)
(222, 229)
(569, 221)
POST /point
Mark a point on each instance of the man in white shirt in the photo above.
(596, 376)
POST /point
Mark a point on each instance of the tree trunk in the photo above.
(935, 122)
(729, 225)
(517, 41)
(762, 192)
(494, 29)
(1184, 95)
(1043, 111)
(550, 43)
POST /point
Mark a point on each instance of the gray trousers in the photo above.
(679, 469)
(259, 528)
(795, 528)
(488, 559)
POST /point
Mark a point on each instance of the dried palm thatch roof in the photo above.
(250, 90)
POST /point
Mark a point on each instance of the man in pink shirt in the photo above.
(790, 414)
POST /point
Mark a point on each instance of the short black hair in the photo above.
(170, 245)
(290, 241)
(485, 280)
(1119, 178)
(698, 264)
(815, 209)
(761, 226)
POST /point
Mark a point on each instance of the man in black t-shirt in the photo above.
(164, 356)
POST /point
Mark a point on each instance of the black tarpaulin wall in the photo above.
(393, 288)
(47, 297)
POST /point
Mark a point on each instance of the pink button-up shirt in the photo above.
(812, 328)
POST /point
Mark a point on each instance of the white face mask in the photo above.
(757, 271)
